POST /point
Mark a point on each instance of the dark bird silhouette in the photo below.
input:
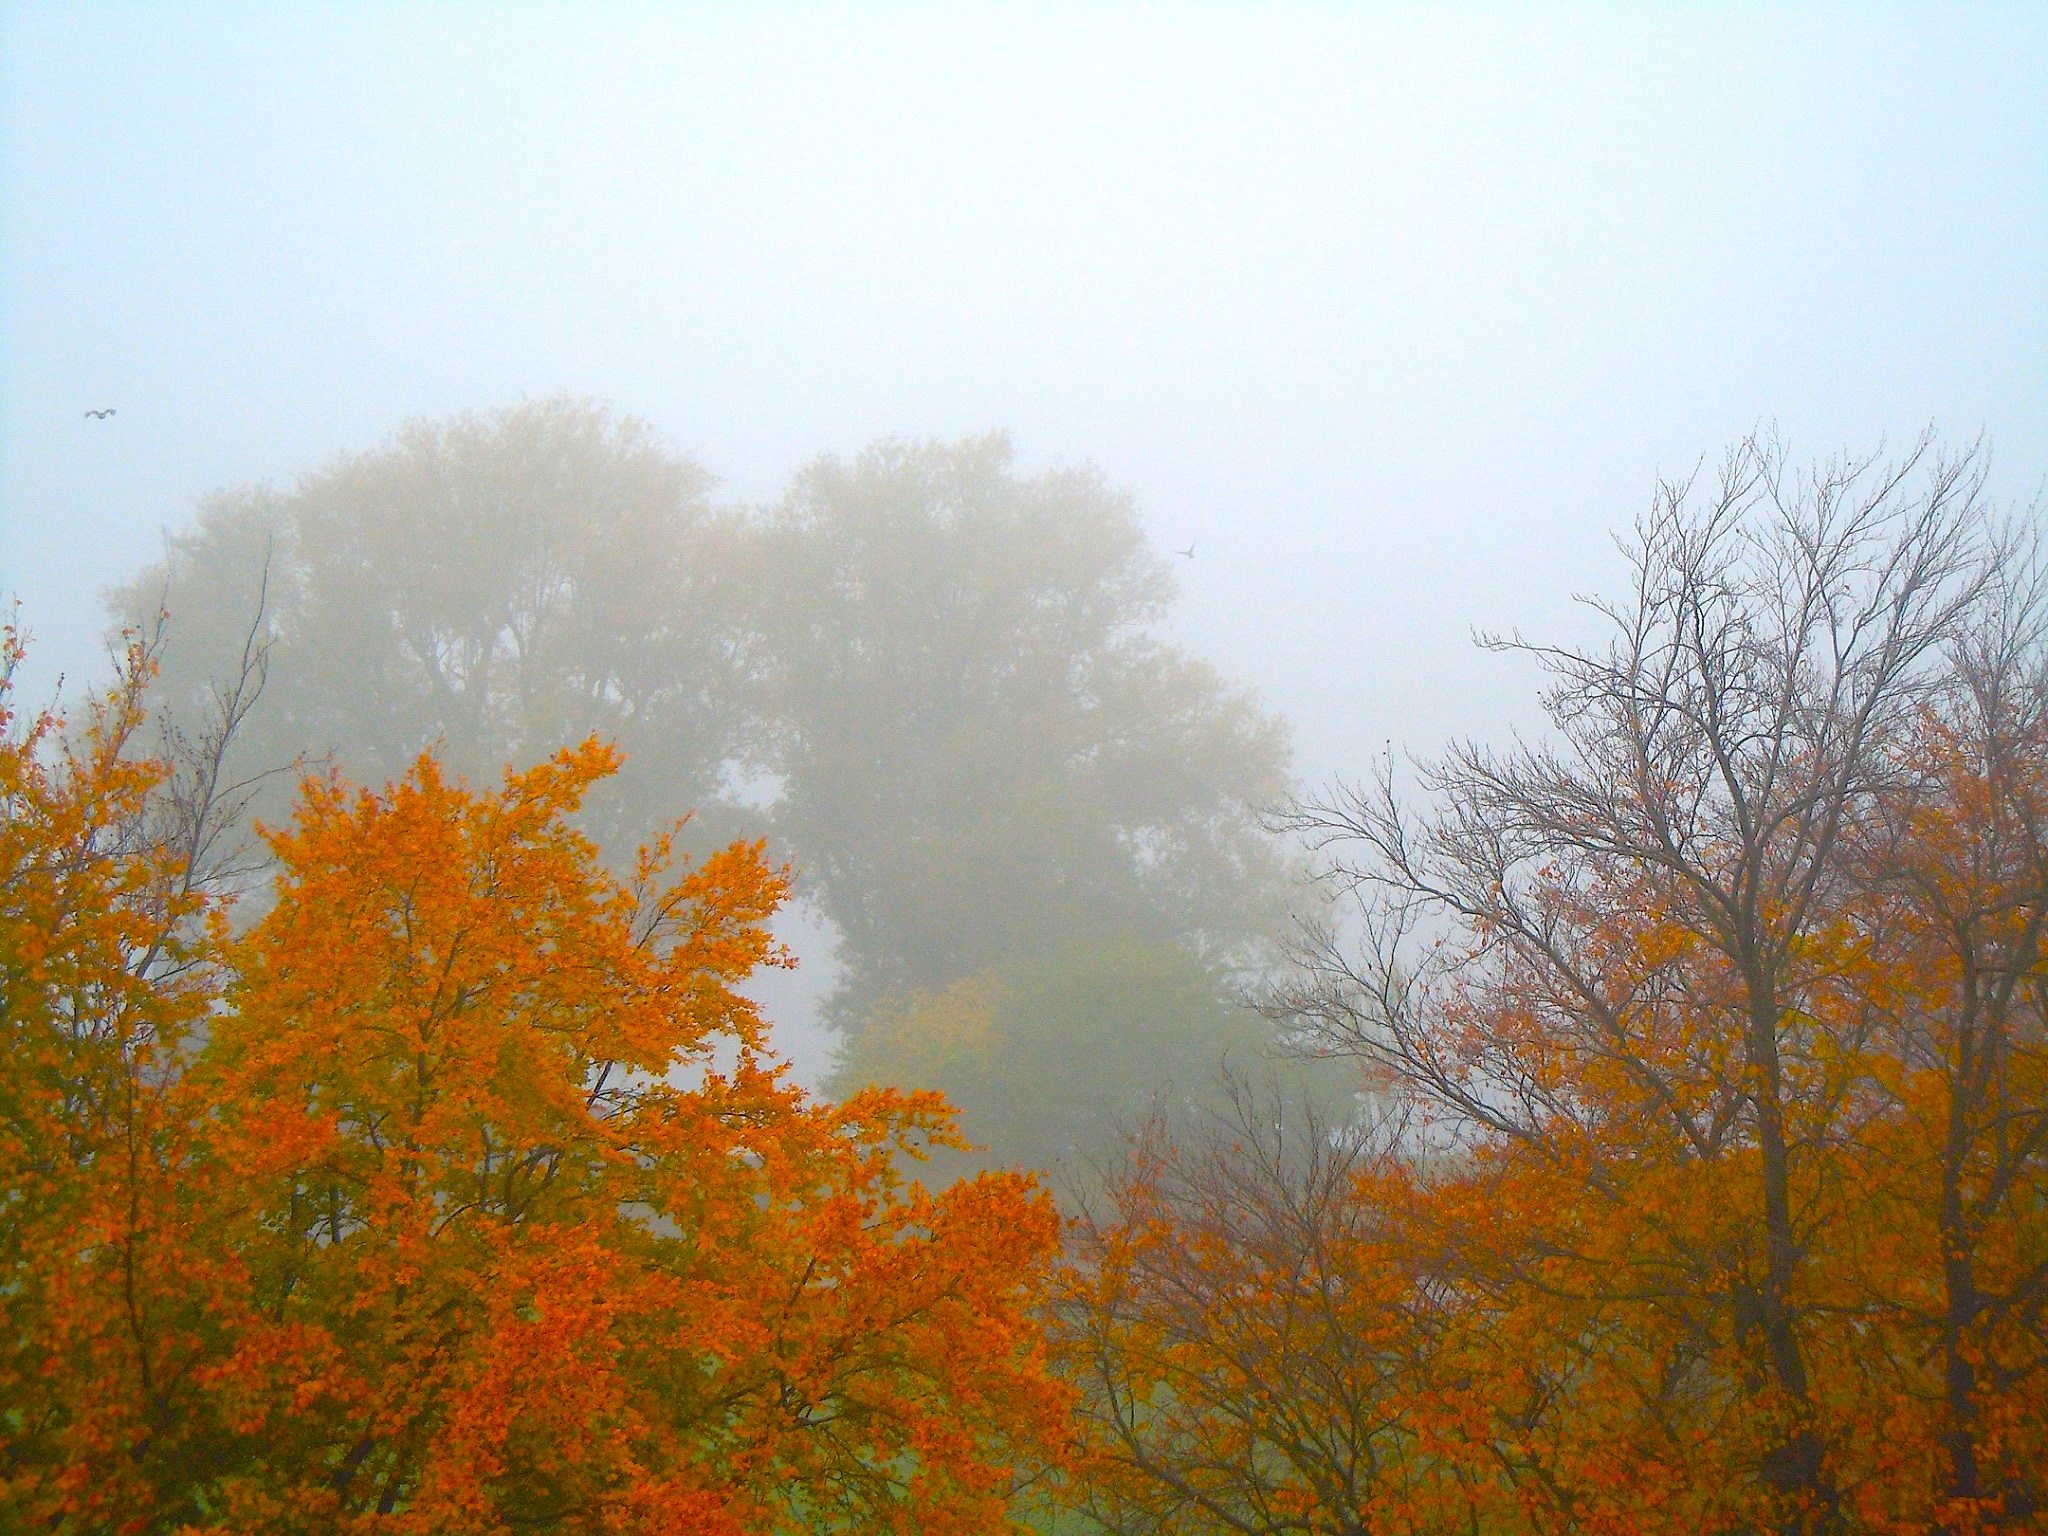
(1189, 552)
(101, 415)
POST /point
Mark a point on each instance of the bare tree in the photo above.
(1709, 775)
(200, 810)
(1247, 1339)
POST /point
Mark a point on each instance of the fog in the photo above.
(1395, 315)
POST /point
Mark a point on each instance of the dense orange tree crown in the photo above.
(478, 1202)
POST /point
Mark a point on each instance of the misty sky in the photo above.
(1395, 313)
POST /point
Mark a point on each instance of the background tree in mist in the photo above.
(492, 585)
(1032, 821)
(942, 682)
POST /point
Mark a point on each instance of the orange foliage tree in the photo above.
(1722, 1017)
(469, 1196)
(105, 976)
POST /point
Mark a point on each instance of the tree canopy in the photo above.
(476, 1203)
(984, 739)
(1033, 822)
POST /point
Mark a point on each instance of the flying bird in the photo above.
(101, 415)
(1189, 552)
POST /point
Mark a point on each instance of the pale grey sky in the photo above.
(1398, 312)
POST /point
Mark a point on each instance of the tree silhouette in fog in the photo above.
(938, 681)
(492, 585)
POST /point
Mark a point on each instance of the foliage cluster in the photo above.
(459, 1192)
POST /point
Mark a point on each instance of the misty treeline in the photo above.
(937, 685)
(1697, 1179)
